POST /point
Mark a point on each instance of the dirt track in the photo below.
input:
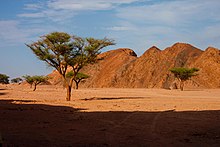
(109, 117)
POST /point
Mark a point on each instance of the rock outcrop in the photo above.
(121, 68)
(209, 65)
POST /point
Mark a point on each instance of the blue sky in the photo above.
(136, 24)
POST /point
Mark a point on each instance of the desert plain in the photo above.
(108, 117)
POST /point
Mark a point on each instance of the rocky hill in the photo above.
(209, 65)
(122, 68)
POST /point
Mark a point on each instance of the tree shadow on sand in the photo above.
(24, 124)
(2, 93)
(113, 98)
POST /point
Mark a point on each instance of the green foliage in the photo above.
(28, 79)
(16, 80)
(70, 74)
(4, 79)
(79, 75)
(184, 73)
(35, 80)
(85, 51)
(55, 49)
(60, 50)
(78, 78)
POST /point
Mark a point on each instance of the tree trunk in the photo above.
(69, 89)
(77, 84)
(68, 94)
(35, 87)
(181, 85)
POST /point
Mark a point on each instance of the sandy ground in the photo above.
(109, 117)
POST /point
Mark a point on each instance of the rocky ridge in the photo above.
(121, 68)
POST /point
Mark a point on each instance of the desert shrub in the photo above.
(4, 79)
(16, 80)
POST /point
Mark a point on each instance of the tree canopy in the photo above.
(4, 79)
(78, 78)
(184, 74)
(16, 80)
(35, 80)
(61, 50)
(55, 49)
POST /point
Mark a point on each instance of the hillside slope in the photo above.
(121, 68)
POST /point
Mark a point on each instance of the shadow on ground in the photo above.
(112, 98)
(2, 93)
(44, 125)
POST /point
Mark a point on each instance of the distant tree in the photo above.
(184, 74)
(16, 80)
(4, 79)
(29, 80)
(35, 80)
(78, 78)
(60, 50)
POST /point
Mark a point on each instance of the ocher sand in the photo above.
(109, 117)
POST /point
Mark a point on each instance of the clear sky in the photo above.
(136, 24)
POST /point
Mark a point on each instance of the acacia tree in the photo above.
(184, 74)
(16, 80)
(4, 79)
(78, 78)
(29, 80)
(35, 80)
(60, 50)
